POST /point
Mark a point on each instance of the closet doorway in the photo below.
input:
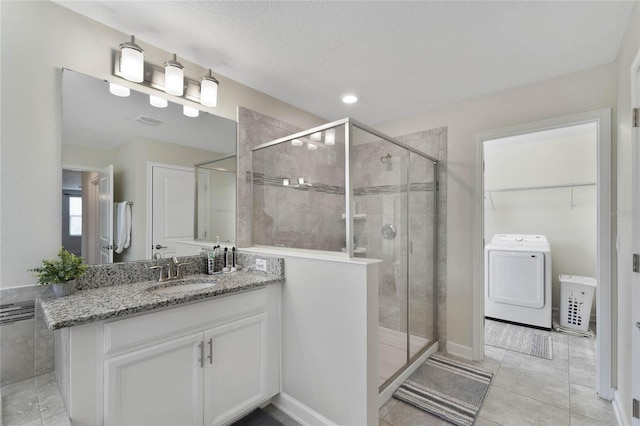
(553, 179)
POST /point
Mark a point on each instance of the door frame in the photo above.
(149, 214)
(635, 235)
(604, 276)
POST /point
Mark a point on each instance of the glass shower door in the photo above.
(421, 252)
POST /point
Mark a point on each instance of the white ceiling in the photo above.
(400, 58)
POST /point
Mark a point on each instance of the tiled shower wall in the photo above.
(307, 216)
(293, 210)
(26, 346)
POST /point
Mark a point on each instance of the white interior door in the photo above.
(105, 197)
(172, 211)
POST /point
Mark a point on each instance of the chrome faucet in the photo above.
(173, 268)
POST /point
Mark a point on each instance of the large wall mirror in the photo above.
(130, 171)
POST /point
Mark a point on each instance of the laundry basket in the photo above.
(576, 294)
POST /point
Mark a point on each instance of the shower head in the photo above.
(385, 159)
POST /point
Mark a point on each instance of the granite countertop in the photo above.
(97, 304)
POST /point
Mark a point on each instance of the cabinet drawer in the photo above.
(147, 328)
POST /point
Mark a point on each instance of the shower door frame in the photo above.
(410, 359)
(349, 123)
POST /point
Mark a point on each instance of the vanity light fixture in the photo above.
(128, 63)
(300, 181)
(297, 142)
(116, 89)
(285, 182)
(158, 102)
(190, 111)
(174, 77)
(317, 136)
(209, 90)
(132, 61)
(312, 147)
(330, 137)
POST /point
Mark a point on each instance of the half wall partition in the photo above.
(346, 188)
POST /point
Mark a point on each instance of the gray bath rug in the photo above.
(451, 390)
(517, 339)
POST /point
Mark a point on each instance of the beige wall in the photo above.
(622, 301)
(584, 91)
(38, 39)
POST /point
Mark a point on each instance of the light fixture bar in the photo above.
(154, 79)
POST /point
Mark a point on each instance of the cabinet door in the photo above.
(235, 368)
(157, 385)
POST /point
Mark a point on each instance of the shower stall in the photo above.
(346, 188)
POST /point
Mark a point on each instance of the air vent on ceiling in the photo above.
(148, 120)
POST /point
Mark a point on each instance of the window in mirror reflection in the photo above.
(75, 216)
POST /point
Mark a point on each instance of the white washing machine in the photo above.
(517, 279)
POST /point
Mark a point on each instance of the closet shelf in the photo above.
(535, 188)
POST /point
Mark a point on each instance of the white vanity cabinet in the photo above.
(205, 363)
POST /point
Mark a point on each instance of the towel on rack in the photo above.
(122, 235)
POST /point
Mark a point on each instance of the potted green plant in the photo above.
(61, 272)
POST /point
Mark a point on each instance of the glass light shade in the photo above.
(173, 80)
(174, 77)
(317, 136)
(300, 181)
(285, 182)
(116, 89)
(296, 142)
(330, 137)
(208, 92)
(132, 64)
(190, 111)
(311, 147)
(132, 61)
(158, 102)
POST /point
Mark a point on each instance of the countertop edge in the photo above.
(174, 301)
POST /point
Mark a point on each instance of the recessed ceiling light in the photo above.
(349, 99)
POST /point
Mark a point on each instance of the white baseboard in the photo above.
(387, 393)
(299, 411)
(460, 350)
(621, 417)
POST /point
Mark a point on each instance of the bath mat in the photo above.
(517, 339)
(449, 389)
(257, 417)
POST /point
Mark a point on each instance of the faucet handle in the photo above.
(179, 269)
(161, 276)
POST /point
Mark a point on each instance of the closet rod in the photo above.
(528, 188)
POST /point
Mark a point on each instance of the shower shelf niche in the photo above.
(357, 216)
(357, 250)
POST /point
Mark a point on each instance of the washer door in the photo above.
(517, 278)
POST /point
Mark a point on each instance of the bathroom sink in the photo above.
(183, 285)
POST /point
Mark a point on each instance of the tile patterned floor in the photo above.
(525, 391)
(35, 401)
(528, 390)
